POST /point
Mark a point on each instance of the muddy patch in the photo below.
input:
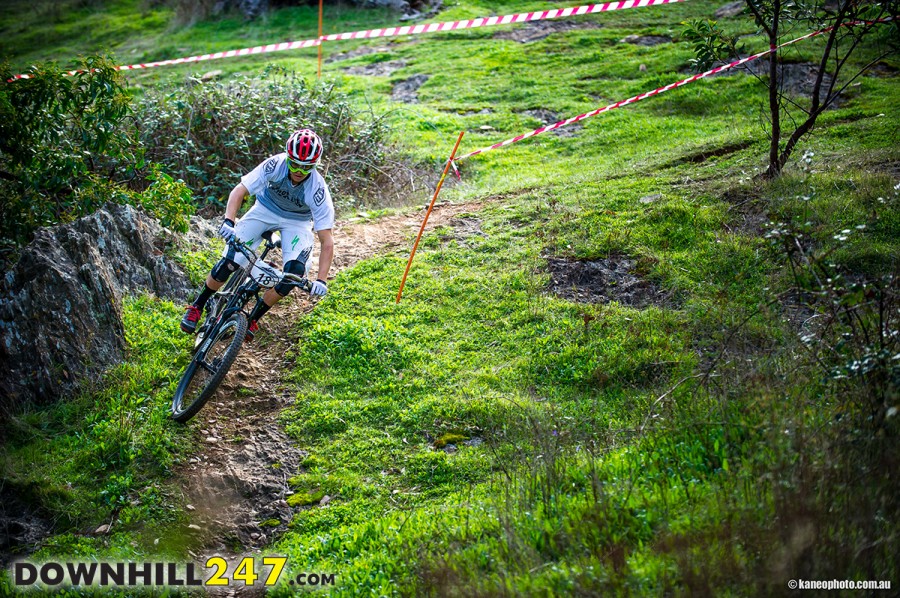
(462, 228)
(698, 157)
(548, 117)
(21, 527)
(796, 79)
(748, 214)
(889, 168)
(476, 112)
(363, 51)
(882, 69)
(537, 30)
(237, 488)
(467, 225)
(419, 10)
(732, 9)
(604, 281)
(645, 40)
(376, 69)
(407, 91)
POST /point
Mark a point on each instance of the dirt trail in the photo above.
(236, 485)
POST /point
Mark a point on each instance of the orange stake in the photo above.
(319, 75)
(428, 213)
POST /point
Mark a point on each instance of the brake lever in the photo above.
(298, 281)
(248, 253)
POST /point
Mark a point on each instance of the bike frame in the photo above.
(236, 293)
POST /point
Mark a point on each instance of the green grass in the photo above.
(591, 455)
(100, 458)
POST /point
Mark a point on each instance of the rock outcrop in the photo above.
(61, 304)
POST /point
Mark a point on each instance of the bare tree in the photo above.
(849, 25)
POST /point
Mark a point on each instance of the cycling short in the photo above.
(296, 235)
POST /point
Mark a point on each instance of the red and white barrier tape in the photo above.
(203, 57)
(491, 21)
(648, 94)
(394, 31)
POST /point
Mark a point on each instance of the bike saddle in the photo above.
(272, 237)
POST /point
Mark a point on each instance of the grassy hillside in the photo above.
(723, 425)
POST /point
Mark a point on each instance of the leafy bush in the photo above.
(855, 340)
(168, 200)
(67, 147)
(209, 134)
(69, 144)
(60, 136)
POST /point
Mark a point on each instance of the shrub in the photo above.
(168, 200)
(210, 133)
(59, 137)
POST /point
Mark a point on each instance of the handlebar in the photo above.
(286, 277)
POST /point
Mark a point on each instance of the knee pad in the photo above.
(223, 269)
(294, 267)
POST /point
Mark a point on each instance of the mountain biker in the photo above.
(291, 197)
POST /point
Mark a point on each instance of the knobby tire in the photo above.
(179, 412)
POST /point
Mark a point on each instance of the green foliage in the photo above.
(711, 44)
(857, 342)
(198, 264)
(210, 133)
(61, 140)
(168, 200)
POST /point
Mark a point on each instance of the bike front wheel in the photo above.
(208, 368)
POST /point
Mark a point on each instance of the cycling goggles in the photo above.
(301, 168)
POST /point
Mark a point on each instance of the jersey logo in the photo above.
(270, 166)
(319, 197)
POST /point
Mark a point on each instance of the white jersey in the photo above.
(270, 182)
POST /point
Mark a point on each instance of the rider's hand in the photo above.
(319, 288)
(226, 231)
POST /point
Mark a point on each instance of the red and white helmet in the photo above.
(304, 148)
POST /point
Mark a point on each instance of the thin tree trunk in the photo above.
(774, 105)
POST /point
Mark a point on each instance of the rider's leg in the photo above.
(249, 229)
(214, 281)
(296, 247)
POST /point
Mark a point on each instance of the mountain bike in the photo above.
(222, 333)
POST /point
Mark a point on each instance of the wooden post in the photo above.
(428, 213)
(319, 73)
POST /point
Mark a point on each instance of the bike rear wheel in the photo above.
(208, 368)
